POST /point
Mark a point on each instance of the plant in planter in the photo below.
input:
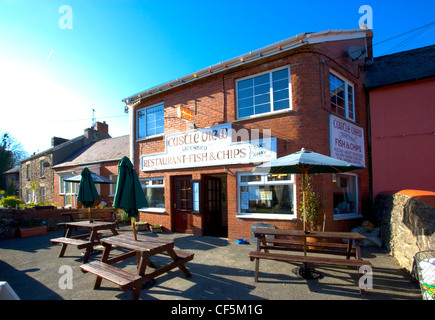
(34, 228)
(313, 205)
(156, 228)
(141, 225)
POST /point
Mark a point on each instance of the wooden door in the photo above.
(181, 202)
(213, 206)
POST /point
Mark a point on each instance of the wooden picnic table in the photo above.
(146, 247)
(328, 243)
(95, 228)
(68, 215)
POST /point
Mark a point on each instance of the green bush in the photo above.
(10, 201)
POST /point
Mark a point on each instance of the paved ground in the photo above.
(221, 270)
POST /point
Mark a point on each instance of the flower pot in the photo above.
(34, 231)
(141, 226)
(156, 228)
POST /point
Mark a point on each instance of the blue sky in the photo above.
(51, 77)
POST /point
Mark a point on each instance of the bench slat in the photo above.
(290, 242)
(75, 242)
(308, 259)
(124, 279)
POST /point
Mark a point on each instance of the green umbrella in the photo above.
(87, 192)
(129, 195)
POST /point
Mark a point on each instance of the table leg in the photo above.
(182, 267)
(349, 249)
(64, 245)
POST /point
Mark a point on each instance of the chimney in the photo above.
(55, 141)
(102, 127)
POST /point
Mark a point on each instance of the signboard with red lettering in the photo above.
(210, 146)
(346, 141)
(184, 113)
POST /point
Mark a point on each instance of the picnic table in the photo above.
(95, 228)
(146, 247)
(327, 244)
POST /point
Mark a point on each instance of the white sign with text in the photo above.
(212, 146)
(346, 141)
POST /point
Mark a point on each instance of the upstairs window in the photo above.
(342, 97)
(264, 93)
(150, 122)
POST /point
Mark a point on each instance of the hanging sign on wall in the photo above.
(346, 141)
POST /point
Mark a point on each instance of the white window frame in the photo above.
(270, 93)
(151, 185)
(113, 185)
(346, 95)
(350, 215)
(262, 182)
(62, 189)
(161, 104)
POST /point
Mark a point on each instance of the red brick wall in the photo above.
(305, 126)
(106, 169)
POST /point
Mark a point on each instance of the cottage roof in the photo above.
(110, 149)
(401, 67)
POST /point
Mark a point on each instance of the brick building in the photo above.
(37, 173)
(303, 92)
(101, 157)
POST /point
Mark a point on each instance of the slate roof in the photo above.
(101, 151)
(401, 67)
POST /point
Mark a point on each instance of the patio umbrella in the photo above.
(95, 177)
(306, 162)
(129, 195)
(87, 192)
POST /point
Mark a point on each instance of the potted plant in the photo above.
(141, 225)
(34, 228)
(156, 228)
(313, 205)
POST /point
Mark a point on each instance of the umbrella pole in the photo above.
(304, 187)
(89, 214)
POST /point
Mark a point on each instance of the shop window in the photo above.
(266, 196)
(154, 190)
(264, 93)
(342, 97)
(150, 122)
(345, 195)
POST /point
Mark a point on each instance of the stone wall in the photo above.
(407, 220)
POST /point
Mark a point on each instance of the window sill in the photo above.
(157, 210)
(266, 216)
(263, 115)
(151, 137)
(344, 216)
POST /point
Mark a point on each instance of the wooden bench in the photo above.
(80, 244)
(298, 245)
(256, 255)
(124, 279)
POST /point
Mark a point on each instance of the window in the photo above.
(263, 93)
(150, 122)
(69, 190)
(154, 190)
(342, 97)
(113, 177)
(345, 199)
(266, 196)
(41, 168)
(42, 194)
(27, 172)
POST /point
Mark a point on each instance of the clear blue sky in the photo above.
(51, 78)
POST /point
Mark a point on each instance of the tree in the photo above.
(11, 154)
